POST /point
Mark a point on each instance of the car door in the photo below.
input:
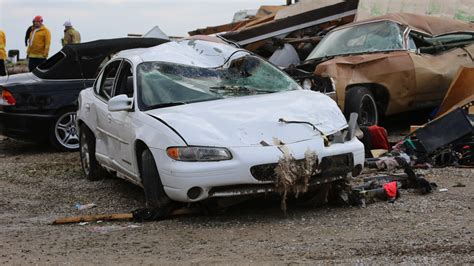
(121, 123)
(434, 71)
(107, 143)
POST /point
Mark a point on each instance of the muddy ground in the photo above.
(38, 185)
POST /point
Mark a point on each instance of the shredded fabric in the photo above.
(388, 163)
(294, 175)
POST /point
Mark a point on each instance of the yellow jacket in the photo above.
(71, 36)
(3, 43)
(40, 39)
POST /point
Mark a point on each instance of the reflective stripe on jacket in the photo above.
(40, 39)
(3, 43)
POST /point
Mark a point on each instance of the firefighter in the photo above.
(38, 46)
(71, 35)
(3, 53)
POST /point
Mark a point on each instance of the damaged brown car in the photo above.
(388, 64)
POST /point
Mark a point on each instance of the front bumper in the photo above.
(25, 126)
(234, 177)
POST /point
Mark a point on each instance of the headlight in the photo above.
(194, 154)
(307, 84)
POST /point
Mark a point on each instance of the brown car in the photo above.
(388, 64)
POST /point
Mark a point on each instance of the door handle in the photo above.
(464, 55)
(109, 118)
(88, 107)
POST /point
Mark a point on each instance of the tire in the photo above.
(63, 133)
(360, 100)
(154, 193)
(90, 167)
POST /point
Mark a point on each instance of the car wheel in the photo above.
(91, 168)
(154, 193)
(360, 100)
(63, 135)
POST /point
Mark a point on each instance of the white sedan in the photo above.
(192, 120)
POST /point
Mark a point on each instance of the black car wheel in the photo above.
(91, 168)
(63, 135)
(360, 100)
(154, 193)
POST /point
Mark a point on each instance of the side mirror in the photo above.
(120, 103)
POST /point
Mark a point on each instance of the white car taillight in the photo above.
(6, 98)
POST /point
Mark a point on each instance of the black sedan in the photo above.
(41, 105)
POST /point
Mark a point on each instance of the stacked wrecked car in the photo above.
(389, 64)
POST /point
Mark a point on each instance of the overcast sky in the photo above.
(98, 19)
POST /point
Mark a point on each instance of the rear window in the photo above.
(52, 61)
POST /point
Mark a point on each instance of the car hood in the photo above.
(254, 120)
(18, 78)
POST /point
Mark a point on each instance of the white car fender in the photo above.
(156, 133)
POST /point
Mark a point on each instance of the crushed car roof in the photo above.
(83, 60)
(426, 24)
(187, 52)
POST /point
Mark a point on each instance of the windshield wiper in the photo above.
(319, 59)
(239, 89)
(161, 105)
(265, 91)
(229, 88)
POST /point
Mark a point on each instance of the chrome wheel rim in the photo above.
(85, 160)
(66, 132)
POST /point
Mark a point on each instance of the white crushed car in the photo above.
(192, 120)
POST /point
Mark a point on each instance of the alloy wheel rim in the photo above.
(66, 132)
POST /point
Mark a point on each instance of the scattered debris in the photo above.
(81, 207)
(139, 215)
(275, 28)
(391, 189)
(92, 218)
(443, 190)
(435, 145)
(459, 184)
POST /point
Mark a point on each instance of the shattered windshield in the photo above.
(162, 84)
(365, 38)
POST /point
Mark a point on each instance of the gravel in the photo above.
(39, 185)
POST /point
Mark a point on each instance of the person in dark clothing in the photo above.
(28, 32)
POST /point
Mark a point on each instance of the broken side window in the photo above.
(125, 81)
(107, 80)
(433, 45)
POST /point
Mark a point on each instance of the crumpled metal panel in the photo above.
(428, 24)
(461, 90)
